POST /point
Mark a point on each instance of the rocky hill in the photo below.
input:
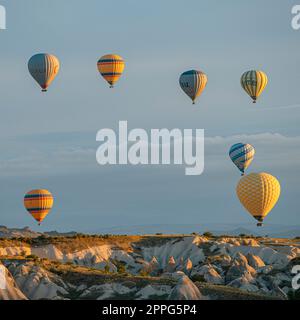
(147, 267)
(26, 232)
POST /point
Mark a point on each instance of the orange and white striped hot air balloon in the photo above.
(43, 67)
(111, 67)
(38, 203)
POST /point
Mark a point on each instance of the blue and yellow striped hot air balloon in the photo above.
(242, 155)
(38, 203)
(43, 67)
(254, 83)
(193, 83)
(111, 67)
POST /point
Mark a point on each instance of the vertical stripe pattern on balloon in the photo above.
(193, 83)
(43, 68)
(254, 82)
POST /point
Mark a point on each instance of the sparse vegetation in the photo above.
(74, 242)
(121, 267)
(74, 273)
(197, 278)
(294, 294)
(144, 273)
(32, 257)
(89, 276)
(220, 292)
(106, 269)
(208, 234)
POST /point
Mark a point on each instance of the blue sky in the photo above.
(49, 140)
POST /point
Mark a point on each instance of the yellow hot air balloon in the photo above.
(111, 67)
(44, 68)
(258, 193)
(254, 82)
(38, 203)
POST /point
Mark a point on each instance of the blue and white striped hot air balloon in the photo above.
(242, 155)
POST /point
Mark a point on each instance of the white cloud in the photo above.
(272, 150)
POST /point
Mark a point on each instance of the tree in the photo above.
(106, 268)
(208, 234)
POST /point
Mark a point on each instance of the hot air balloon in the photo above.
(111, 67)
(258, 193)
(254, 82)
(38, 203)
(242, 155)
(193, 83)
(44, 68)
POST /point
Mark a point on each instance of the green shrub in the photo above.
(294, 294)
(107, 269)
(121, 269)
(208, 234)
(197, 278)
(32, 257)
(144, 273)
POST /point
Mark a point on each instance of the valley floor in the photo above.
(177, 267)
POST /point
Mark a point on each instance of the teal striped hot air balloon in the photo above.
(242, 155)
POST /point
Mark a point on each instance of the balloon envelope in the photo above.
(254, 82)
(258, 193)
(111, 67)
(193, 83)
(38, 203)
(43, 67)
(242, 155)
